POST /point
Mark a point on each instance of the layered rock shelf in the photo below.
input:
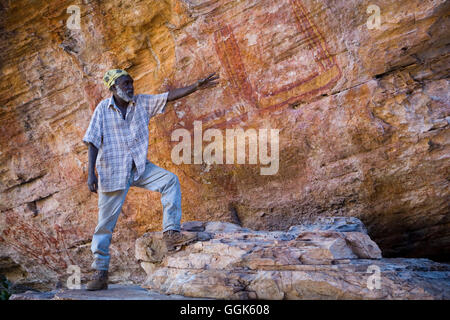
(333, 258)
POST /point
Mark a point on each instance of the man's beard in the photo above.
(123, 95)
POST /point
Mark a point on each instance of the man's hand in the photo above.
(204, 83)
(92, 182)
(207, 82)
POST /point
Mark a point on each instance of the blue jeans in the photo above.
(110, 204)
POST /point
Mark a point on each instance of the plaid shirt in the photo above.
(119, 141)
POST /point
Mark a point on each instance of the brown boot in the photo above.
(174, 239)
(99, 281)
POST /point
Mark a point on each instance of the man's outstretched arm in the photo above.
(204, 83)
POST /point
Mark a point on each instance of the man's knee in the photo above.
(173, 178)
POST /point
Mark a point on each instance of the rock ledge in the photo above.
(332, 258)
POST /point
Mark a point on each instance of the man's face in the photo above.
(124, 86)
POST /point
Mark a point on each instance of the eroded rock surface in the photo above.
(230, 262)
(363, 116)
(114, 292)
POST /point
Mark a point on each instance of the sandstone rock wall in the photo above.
(363, 116)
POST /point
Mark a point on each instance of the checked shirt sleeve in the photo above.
(94, 133)
(155, 103)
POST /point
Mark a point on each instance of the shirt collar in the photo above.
(111, 102)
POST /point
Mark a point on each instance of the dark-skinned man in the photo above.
(117, 137)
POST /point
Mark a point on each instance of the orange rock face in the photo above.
(360, 99)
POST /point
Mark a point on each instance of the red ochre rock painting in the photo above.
(323, 76)
(30, 241)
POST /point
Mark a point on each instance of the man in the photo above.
(118, 135)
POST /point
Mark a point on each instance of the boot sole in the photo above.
(177, 247)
